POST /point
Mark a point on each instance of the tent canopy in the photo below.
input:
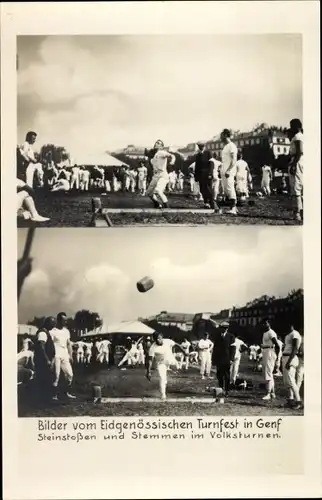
(124, 328)
(101, 159)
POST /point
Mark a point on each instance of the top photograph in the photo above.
(159, 130)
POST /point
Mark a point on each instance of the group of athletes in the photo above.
(210, 178)
(52, 354)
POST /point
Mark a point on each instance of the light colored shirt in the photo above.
(162, 354)
(238, 344)
(27, 151)
(241, 169)
(60, 338)
(266, 173)
(289, 341)
(160, 162)
(205, 345)
(142, 172)
(104, 347)
(298, 137)
(267, 338)
(186, 346)
(228, 157)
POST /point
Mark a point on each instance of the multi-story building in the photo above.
(134, 152)
(274, 139)
(182, 321)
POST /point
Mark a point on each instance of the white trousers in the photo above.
(103, 356)
(162, 370)
(142, 185)
(80, 356)
(192, 184)
(62, 365)
(88, 356)
(266, 186)
(228, 185)
(269, 360)
(205, 363)
(157, 187)
(234, 368)
(289, 377)
(74, 182)
(132, 185)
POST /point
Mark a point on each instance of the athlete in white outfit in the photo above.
(252, 353)
(267, 177)
(142, 175)
(205, 348)
(234, 367)
(80, 351)
(278, 365)
(243, 177)
(172, 181)
(228, 170)
(161, 354)
(295, 169)
(216, 180)
(160, 177)
(191, 170)
(141, 357)
(132, 176)
(180, 180)
(75, 177)
(84, 179)
(88, 352)
(290, 365)
(270, 350)
(185, 345)
(104, 351)
(63, 353)
(27, 152)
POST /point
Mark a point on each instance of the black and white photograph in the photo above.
(159, 130)
(141, 323)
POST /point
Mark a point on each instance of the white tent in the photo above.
(101, 159)
(124, 328)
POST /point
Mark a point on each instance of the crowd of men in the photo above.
(52, 354)
(210, 179)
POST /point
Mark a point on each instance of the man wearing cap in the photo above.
(159, 161)
(270, 349)
(228, 170)
(204, 175)
(224, 355)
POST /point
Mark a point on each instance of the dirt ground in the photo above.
(132, 383)
(75, 210)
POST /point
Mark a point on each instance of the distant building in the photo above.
(134, 152)
(271, 308)
(272, 138)
(182, 321)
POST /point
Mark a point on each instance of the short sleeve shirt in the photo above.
(289, 341)
(267, 338)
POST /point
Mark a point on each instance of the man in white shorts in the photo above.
(290, 364)
(267, 177)
(88, 352)
(161, 354)
(160, 179)
(228, 170)
(205, 347)
(142, 175)
(63, 354)
(234, 367)
(270, 349)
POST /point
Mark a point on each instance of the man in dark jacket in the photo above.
(44, 358)
(204, 175)
(223, 356)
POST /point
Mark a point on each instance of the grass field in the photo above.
(132, 383)
(74, 210)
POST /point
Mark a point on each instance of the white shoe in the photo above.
(267, 397)
(55, 398)
(273, 395)
(298, 217)
(202, 377)
(39, 218)
(233, 211)
(163, 397)
(70, 396)
(210, 378)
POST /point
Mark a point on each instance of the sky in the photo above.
(201, 270)
(96, 93)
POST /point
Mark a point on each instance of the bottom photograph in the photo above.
(160, 321)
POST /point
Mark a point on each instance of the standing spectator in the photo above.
(26, 159)
(223, 356)
(270, 349)
(44, 359)
(204, 175)
(290, 364)
(296, 166)
(228, 170)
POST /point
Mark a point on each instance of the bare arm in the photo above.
(232, 162)
(295, 348)
(276, 346)
(149, 368)
(70, 349)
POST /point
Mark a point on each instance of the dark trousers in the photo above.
(206, 189)
(223, 376)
